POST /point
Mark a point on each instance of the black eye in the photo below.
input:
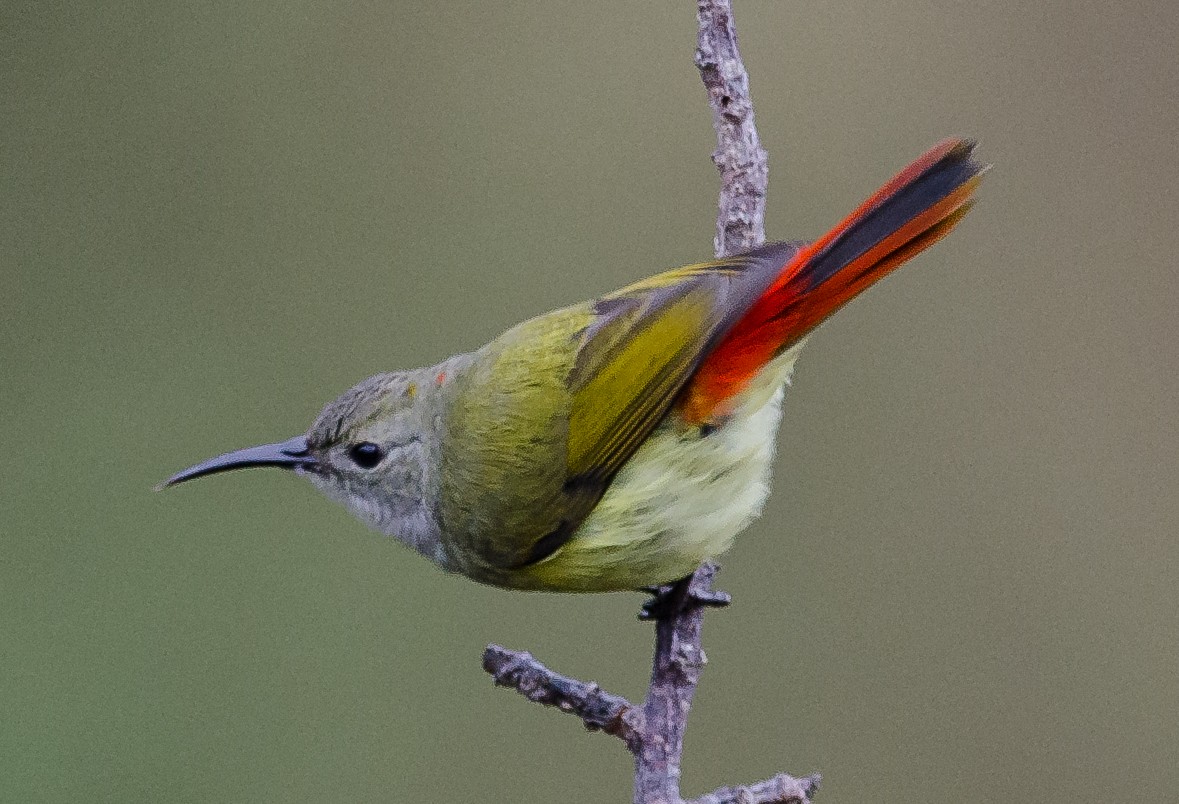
(366, 454)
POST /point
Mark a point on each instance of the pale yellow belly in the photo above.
(681, 499)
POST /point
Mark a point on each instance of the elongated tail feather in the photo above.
(918, 207)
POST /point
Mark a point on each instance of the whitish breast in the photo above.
(681, 499)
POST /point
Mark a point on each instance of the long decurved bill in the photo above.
(287, 454)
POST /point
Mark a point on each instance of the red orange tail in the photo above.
(918, 207)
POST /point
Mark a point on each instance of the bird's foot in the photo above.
(670, 599)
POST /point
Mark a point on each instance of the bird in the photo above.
(618, 443)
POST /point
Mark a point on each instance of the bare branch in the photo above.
(781, 789)
(598, 709)
(654, 733)
(740, 223)
(679, 660)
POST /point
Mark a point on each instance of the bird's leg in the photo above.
(670, 599)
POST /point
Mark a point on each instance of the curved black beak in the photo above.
(287, 454)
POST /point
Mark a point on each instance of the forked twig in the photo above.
(654, 731)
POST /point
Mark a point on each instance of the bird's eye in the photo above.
(366, 454)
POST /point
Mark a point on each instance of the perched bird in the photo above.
(617, 443)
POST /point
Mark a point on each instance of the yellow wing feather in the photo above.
(553, 408)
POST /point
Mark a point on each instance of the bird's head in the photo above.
(365, 449)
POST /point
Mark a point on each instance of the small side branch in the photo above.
(598, 709)
(781, 789)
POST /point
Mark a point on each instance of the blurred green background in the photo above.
(215, 217)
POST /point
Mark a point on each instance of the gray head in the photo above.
(365, 450)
